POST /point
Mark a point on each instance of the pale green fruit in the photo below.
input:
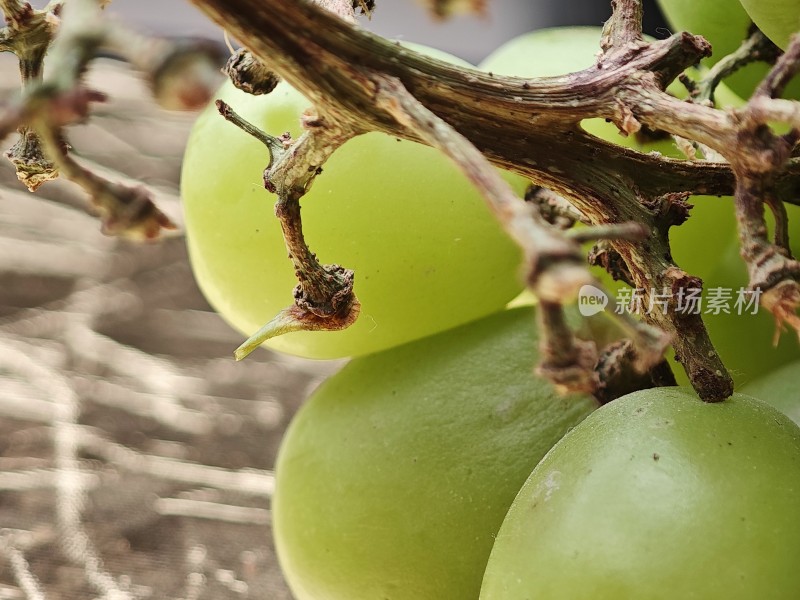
(393, 479)
(778, 19)
(427, 253)
(781, 389)
(745, 341)
(658, 496)
(724, 23)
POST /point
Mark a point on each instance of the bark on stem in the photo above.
(529, 126)
(323, 298)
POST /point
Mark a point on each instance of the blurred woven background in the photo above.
(135, 455)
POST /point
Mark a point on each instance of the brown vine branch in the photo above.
(624, 27)
(565, 360)
(617, 378)
(556, 268)
(632, 232)
(326, 59)
(529, 126)
(553, 208)
(347, 68)
(28, 34)
(16, 12)
(757, 47)
(323, 299)
(773, 273)
(757, 157)
(781, 216)
(786, 67)
(182, 75)
(125, 211)
(276, 146)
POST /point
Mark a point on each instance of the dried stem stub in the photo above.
(324, 299)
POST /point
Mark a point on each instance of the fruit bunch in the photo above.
(435, 465)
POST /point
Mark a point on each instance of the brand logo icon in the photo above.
(591, 300)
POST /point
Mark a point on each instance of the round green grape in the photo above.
(393, 479)
(426, 252)
(725, 24)
(658, 495)
(778, 19)
(780, 388)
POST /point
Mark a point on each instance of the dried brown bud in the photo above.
(249, 75)
(187, 77)
(32, 166)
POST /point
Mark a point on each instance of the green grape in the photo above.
(725, 24)
(658, 495)
(745, 341)
(780, 388)
(778, 19)
(393, 479)
(426, 251)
